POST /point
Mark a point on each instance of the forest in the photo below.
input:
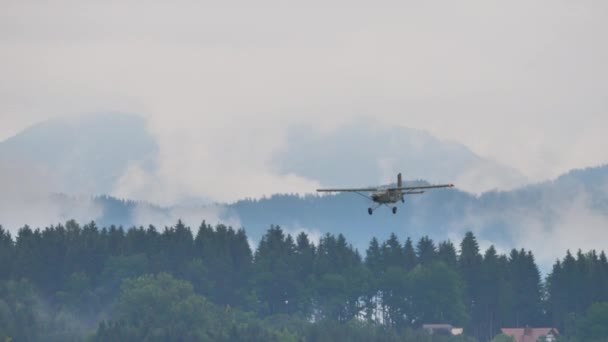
(72, 283)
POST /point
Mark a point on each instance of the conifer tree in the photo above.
(7, 254)
(447, 254)
(425, 249)
(410, 260)
(275, 277)
(392, 252)
(469, 264)
(373, 259)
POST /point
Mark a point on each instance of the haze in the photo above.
(522, 83)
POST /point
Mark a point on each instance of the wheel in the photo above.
(369, 211)
(394, 210)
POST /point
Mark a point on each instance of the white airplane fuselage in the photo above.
(387, 196)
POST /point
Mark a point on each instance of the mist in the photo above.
(520, 83)
(562, 216)
(28, 197)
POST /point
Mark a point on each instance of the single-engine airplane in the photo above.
(388, 195)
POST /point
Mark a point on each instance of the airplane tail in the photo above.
(400, 184)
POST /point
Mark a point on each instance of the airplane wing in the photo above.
(408, 188)
(349, 190)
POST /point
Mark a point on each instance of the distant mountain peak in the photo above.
(365, 152)
(83, 154)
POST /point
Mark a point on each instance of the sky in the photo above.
(523, 83)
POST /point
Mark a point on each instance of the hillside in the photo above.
(84, 158)
(378, 152)
(570, 212)
(81, 155)
(89, 154)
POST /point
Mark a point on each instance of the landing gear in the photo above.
(372, 209)
(394, 210)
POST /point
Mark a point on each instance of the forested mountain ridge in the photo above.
(108, 284)
(572, 208)
(569, 212)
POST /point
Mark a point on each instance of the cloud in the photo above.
(577, 226)
(220, 83)
(483, 175)
(26, 199)
(295, 229)
(191, 216)
(561, 218)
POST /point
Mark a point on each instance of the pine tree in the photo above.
(410, 260)
(275, 275)
(375, 265)
(425, 249)
(304, 263)
(447, 254)
(603, 278)
(7, 254)
(526, 284)
(342, 280)
(493, 296)
(373, 259)
(392, 253)
(469, 264)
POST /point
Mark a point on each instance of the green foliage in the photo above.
(18, 310)
(593, 327)
(162, 308)
(426, 251)
(24, 316)
(228, 263)
(66, 282)
(503, 338)
(120, 267)
(159, 308)
(573, 286)
(7, 253)
(438, 293)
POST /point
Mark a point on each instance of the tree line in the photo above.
(68, 282)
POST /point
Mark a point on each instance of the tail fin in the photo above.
(399, 180)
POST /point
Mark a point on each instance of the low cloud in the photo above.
(221, 84)
(26, 198)
(295, 229)
(485, 175)
(558, 220)
(212, 162)
(191, 216)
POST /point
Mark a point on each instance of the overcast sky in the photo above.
(522, 82)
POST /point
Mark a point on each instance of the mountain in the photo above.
(570, 212)
(82, 155)
(89, 154)
(377, 152)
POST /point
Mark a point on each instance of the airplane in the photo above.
(388, 195)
